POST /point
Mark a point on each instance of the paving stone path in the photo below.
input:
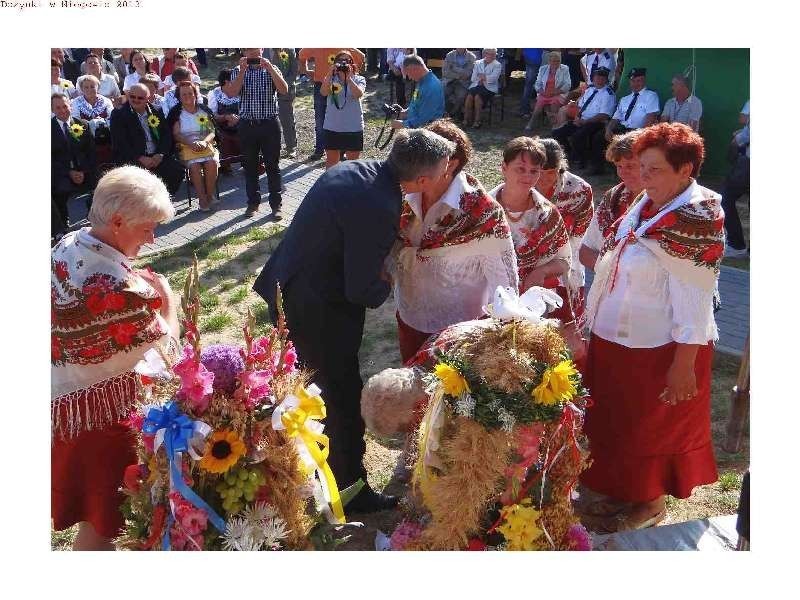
(733, 319)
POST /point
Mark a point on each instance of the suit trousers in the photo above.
(584, 145)
(261, 137)
(737, 183)
(327, 336)
(286, 116)
(320, 106)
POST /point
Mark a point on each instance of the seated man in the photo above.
(636, 110)
(106, 66)
(72, 161)
(595, 108)
(140, 136)
(683, 107)
(427, 103)
(485, 84)
(456, 75)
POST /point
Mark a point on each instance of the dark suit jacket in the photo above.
(127, 136)
(70, 154)
(339, 237)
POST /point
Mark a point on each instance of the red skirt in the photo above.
(410, 339)
(86, 474)
(642, 448)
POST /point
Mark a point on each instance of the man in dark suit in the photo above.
(69, 68)
(140, 136)
(72, 161)
(330, 269)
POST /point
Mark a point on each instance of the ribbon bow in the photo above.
(179, 434)
(297, 416)
(531, 305)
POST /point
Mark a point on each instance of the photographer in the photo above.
(257, 82)
(344, 117)
(427, 102)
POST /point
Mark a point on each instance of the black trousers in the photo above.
(171, 172)
(737, 183)
(61, 191)
(599, 143)
(261, 137)
(327, 336)
(584, 144)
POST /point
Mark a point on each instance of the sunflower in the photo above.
(557, 385)
(153, 121)
(66, 84)
(202, 120)
(336, 88)
(76, 129)
(283, 55)
(331, 59)
(452, 381)
(223, 450)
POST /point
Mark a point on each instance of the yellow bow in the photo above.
(311, 406)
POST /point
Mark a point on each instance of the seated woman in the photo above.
(224, 105)
(454, 249)
(107, 84)
(616, 200)
(652, 336)
(193, 129)
(344, 116)
(552, 86)
(93, 107)
(485, 84)
(139, 66)
(105, 315)
(58, 85)
(572, 197)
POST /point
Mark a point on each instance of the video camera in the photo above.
(392, 111)
(342, 67)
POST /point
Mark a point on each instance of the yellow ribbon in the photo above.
(294, 421)
(423, 475)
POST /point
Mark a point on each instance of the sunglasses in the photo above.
(130, 97)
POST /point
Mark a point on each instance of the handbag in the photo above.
(187, 153)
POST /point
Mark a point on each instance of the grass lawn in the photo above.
(228, 266)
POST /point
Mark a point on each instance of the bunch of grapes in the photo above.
(239, 485)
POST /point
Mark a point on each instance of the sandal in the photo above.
(623, 524)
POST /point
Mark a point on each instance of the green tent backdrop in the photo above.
(722, 84)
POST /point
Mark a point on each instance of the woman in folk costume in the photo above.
(572, 197)
(454, 249)
(652, 332)
(105, 316)
(540, 238)
(617, 200)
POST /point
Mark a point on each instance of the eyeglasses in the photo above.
(136, 97)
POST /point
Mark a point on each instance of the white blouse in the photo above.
(649, 307)
(437, 287)
(593, 238)
(130, 80)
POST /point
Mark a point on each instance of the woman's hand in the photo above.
(681, 379)
(575, 341)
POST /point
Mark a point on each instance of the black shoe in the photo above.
(316, 155)
(277, 214)
(370, 501)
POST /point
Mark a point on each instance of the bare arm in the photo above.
(588, 256)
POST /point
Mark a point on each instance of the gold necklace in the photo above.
(508, 213)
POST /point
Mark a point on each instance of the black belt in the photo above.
(257, 121)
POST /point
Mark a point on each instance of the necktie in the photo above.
(66, 131)
(631, 105)
(588, 102)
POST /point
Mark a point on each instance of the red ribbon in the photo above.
(631, 237)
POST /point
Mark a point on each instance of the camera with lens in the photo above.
(254, 62)
(392, 111)
(102, 134)
(342, 67)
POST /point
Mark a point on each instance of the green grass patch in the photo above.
(238, 295)
(218, 254)
(216, 322)
(261, 313)
(729, 481)
(256, 234)
(209, 300)
(226, 285)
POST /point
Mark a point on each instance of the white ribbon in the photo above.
(532, 305)
(153, 365)
(200, 432)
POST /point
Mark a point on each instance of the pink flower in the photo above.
(405, 533)
(578, 538)
(197, 382)
(289, 360)
(257, 385)
(193, 520)
(260, 351)
(181, 541)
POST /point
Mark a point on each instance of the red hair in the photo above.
(679, 143)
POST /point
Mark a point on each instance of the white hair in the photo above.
(134, 193)
(84, 78)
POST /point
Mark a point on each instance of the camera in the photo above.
(342, 67)
(102, 134)
(391, 111)
(254, 61)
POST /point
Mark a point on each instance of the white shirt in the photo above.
(649, 307)
(593, 238)
(604, 59)
(646, 103)
(441, 286)
(130, 80)
(602, 103)
(58, 88)
(492, 72)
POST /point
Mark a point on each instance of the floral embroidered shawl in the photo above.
(104, 318)
(615, 203)
(540, 235)
(573, 199)
(686, 235)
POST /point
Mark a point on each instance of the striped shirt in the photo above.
(258, 97)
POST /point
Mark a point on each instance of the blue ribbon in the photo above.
(178, 430)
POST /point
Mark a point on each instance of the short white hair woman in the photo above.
(105, 315)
